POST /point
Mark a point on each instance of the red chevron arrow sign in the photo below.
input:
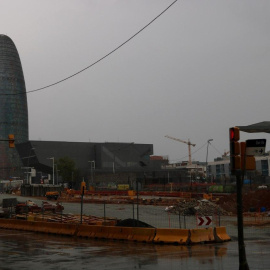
(204, 221)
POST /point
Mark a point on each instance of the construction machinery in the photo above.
(50, 195)
(189, 146)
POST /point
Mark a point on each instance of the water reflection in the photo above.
(33, 251)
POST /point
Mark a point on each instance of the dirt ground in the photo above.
(253, 201)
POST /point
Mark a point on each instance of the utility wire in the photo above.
(102, 58)
(216, 149)
(191, 154)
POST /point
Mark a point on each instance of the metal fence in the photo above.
(256, 224)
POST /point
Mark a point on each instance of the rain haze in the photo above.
(194, 72)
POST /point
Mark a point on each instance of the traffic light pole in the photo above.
(243, 265)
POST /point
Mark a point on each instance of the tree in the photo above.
(68, 171)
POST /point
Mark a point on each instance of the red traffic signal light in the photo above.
(235, 159)
(11, 141)
(234, 134)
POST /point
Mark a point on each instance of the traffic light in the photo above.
(235, 158)
(11, 140)
(247, 161)
(83, 188)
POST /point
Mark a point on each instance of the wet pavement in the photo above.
(26, 250)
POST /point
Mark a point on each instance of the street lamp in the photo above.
(208, 142)
(53, 167)
(28, 177)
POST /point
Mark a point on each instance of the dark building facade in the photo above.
(13, 107)
(103, 160)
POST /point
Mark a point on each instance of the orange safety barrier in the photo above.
(87, 230)
(101, 232)
(202, 235)
(93, 231)
(53, 227)
(119, 233)
(221, 234)
(172, 236)
(15, 224)
(68, 229)
(166, 236)
(6, 224)
(146, 235)
(26, 225)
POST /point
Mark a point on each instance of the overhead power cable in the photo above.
(180, 159)
(102, 58)
(216, 149)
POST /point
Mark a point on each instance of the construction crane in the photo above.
(225, 153)
(189, 146)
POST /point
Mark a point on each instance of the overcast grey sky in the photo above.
(200, 68)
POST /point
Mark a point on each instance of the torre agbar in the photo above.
(13, 108)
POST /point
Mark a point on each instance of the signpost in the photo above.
(252, 148)
(255, 147)
(204, 221)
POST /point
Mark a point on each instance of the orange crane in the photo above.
(189, 146)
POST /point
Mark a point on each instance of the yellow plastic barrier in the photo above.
(68, 229)
(146, 235)
(120, 233)
(53, 227)
(6, 224)
(26, 225)
(15, 224)
(166, 236)
(172, 236)
(37, 226)
(221, 234)
(101, 231)
(201, 235)
(87, 231)
(93, 231)
(47, 227)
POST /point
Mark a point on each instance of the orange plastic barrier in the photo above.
(16, 224)
(172, 236)
(146, 235)
(119, 233)
(51, 227)
(87, 230)
(221, 234)
(106, 232)
(202, 235)
(7, 224)
(101, 232)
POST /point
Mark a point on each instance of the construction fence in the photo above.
(256, 224)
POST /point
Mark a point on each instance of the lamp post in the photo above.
(53, 167)
(208, 142)
(28, 176)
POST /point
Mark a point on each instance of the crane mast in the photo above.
(189, 146)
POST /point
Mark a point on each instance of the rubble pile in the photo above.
(197, 207)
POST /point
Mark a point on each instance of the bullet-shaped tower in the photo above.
(13, 107)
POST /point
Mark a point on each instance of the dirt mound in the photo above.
(252, 201)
